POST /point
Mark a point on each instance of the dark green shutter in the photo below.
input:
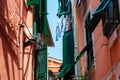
(32, 2)
(97, 14)
(66, 68)
(111, 19)
(68, 52)
(41, 64)
(93, 22)
(43, 15)
(90, 53)
(40, 17)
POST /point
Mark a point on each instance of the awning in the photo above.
(67, 68)
(47, 39)
(41, 24)
(97, 15)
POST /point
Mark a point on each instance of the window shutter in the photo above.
(41, 64)
(32, 2)
(110, 18)
(68, 52)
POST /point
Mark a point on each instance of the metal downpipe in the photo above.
(21, 42)
(21, 53)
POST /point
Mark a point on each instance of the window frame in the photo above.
(64, 7)
(110, 23)
(90, 50)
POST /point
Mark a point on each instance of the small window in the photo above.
(63, 7)
(110, 18)
(90, 54)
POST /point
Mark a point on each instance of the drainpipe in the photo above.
(21, 42)
(21, 52)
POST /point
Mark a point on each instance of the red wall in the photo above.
(103, 60)
(9, 41)
(54, 65)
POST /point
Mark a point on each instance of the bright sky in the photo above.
(56, 51)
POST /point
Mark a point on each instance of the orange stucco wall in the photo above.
(9, 41)
(54, 65)
(106, 56)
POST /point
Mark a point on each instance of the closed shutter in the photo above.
(41, 64)
(68, 52)
(32, 2)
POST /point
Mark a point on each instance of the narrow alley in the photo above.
(79, 41)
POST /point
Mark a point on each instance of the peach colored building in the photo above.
(54, 65)
(16, 27)
(10, 26)
(101, 22)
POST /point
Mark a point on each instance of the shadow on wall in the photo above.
(28, 67)
(82, 9)
(8, 53)
(9, 49)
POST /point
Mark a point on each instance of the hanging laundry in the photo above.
(58, 32)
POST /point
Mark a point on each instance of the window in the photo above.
(90, 54)
(110, 18)
(40, 17)
(64, 7)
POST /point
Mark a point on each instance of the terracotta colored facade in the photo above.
(106, 50)
(54, 65)
(10, 40)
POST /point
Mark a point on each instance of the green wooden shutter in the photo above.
(97, 15)
(41, 64)
(68, 52)
(43, 14)
(40, 17)
(32, 2)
